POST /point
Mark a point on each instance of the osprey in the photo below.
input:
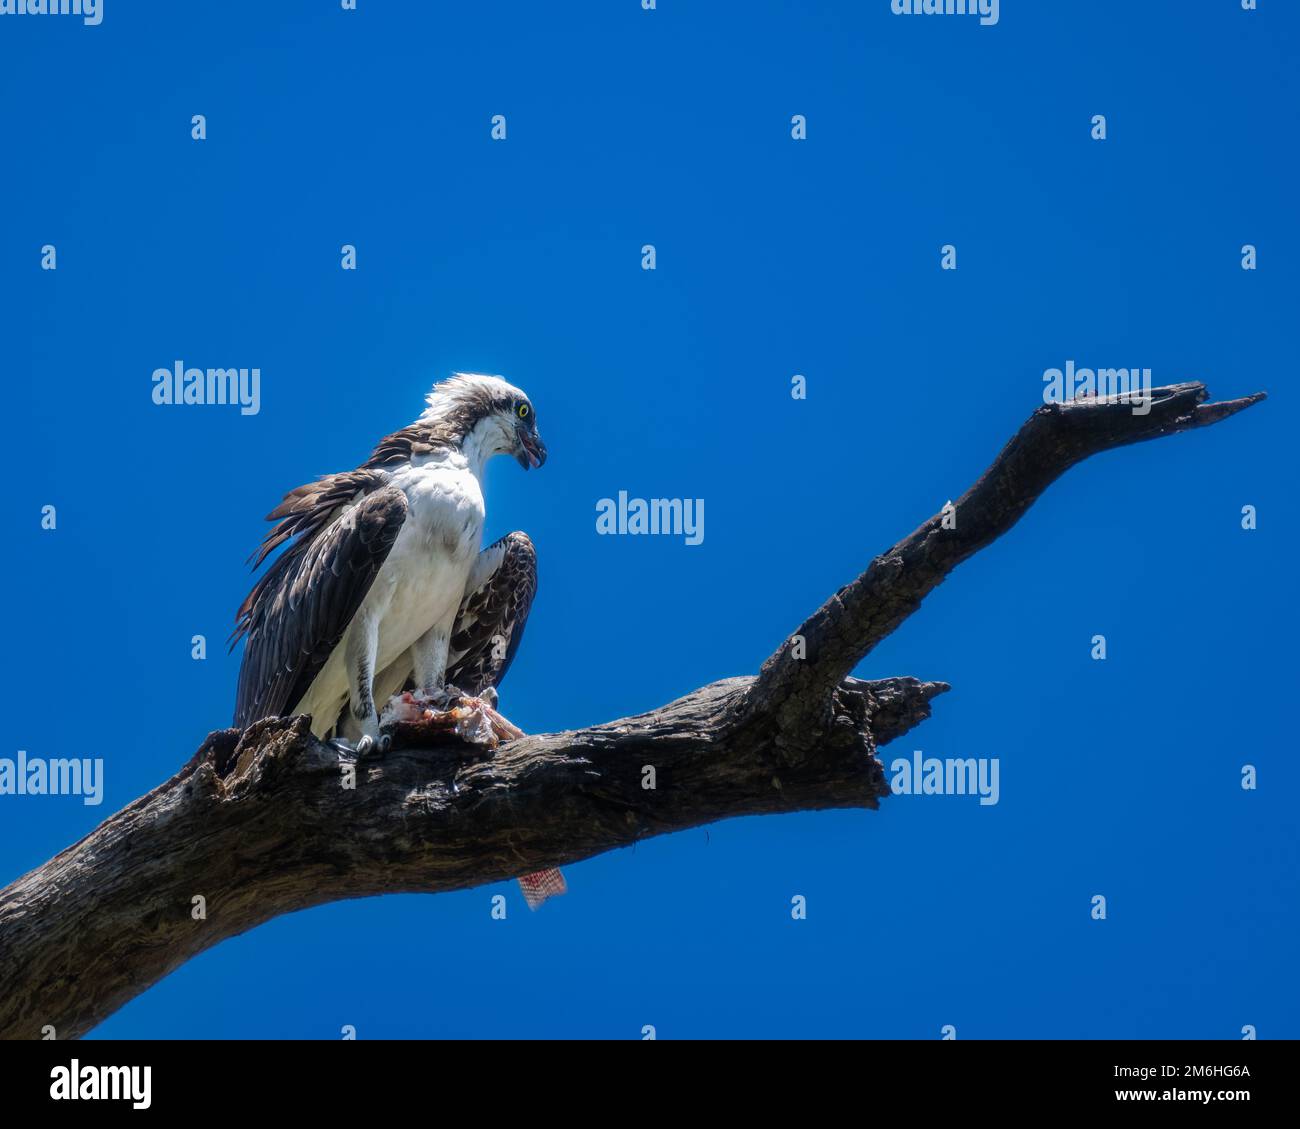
(383, 585)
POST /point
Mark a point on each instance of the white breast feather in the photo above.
(421, 584)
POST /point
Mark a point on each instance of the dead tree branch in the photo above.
(262, 823)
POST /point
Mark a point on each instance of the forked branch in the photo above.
(264, 822)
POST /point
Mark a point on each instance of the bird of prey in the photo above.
(383, 585)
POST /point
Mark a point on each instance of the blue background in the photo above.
(672, 127)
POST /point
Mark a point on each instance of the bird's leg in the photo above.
(362, 722)
(436, 707)
(429, 657)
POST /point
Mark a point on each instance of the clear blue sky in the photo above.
(775, 257)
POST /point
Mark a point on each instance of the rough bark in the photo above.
(261, 823)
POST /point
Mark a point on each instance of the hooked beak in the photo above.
(530, 451)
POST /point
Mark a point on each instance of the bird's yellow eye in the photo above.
(522, 410)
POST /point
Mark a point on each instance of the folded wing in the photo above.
(342, 528)
(492, 616)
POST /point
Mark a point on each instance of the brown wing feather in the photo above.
(307, 509)
(492, 616)
(296, 614)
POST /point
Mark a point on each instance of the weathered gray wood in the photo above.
(260, 823)
(841, 633)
